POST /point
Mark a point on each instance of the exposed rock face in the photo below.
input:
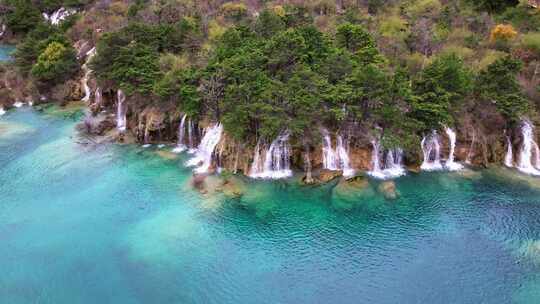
(151, 124)
(360, 158)
(99, 124)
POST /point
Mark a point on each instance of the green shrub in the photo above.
(56, 63)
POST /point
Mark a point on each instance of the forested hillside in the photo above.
(385, 69)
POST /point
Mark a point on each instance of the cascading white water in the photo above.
(375, 160)
(2, 111)
(203, 156)
(470, 152)
(525, 164)
(431, 150)
(98, 96)
(190, 138)
(509, 157)
(121, 110)
(86, 87)
(343, 156)
(393, 164)
(3, 30)
(450, 164)
(257, 166)
(18, 104)
(59, 15)
(276, 161)
(330, 157)
(180, 147)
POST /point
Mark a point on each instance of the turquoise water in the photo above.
(5, 51)
(118, 224)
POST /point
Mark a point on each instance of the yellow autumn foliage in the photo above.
(502, 32)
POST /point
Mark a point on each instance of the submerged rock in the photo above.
(350, 192)
(233, 187)
(388, 190)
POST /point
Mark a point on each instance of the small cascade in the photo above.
(276, 162)
(18, 104)
(2, 111)
(87, 72)
(98, 97)
(180, 147)
(431, 150)
(190, 138)
(343, 156)
(394, 163)
(393, 166)
(509, 157)
(121, 110)
(526, 154)
(330, 157)
(3, 30)
(203, 156)
(59, 15)
(375, 161)
(470, 152)
(450, 164)
(257, 166)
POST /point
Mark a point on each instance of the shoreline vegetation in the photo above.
(328, 88)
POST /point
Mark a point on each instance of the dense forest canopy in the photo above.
(392, 69)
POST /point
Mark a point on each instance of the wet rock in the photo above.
(308, 180)
(328, 175)
(414, 168)
(388, 190)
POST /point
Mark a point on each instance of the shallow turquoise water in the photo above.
(5, 51)
(116, 224)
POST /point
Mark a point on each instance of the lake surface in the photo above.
(6, 51)
(121, 224)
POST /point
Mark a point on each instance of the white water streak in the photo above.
(203, 156)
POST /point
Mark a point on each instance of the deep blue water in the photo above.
(121, 224)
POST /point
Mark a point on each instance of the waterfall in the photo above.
(203, 155)
(393, 166)
(3, 30)
(181, 130)
(97, 99)
(509, 157)
(2, 111)
(470, 152)
(87, 73)
(121, 110)
(525, 164)
(375, 160)
(18, 104)
(431, 150)
(59, 15)
(276, 160)
(343, 155)
(190, 137)
(337, 159)
(257, 166)
(450, 164)
(330, 157)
